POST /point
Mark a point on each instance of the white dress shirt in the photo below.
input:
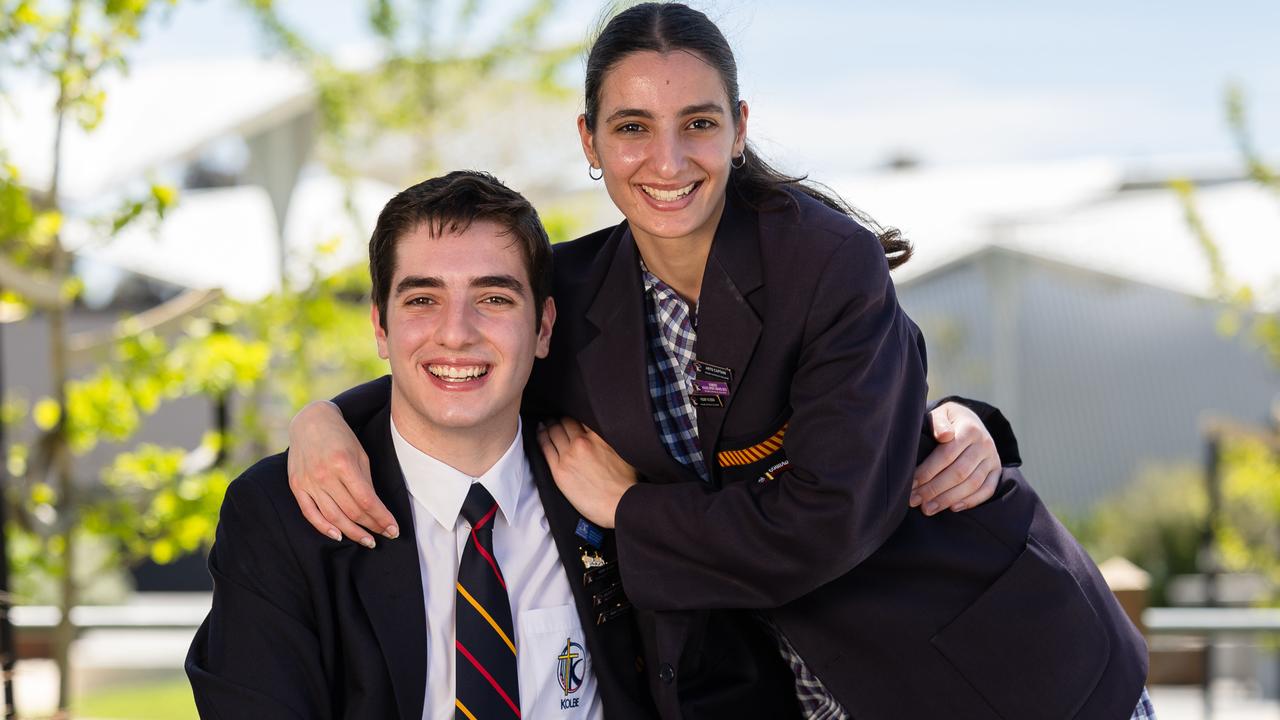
(542, 607)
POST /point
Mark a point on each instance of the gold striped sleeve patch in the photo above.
(748, 455)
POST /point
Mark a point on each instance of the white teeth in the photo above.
(451, 373)
(668, 195)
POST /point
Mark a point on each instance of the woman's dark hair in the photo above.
(666, 27)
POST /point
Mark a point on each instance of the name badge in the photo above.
(707, 400)
(710, 387)
(715, 372)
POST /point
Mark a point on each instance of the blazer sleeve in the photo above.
(994, 420)
(360, 403)
(257, 653)
(857, 398)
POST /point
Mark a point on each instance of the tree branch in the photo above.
(41, 293)
(156, 318)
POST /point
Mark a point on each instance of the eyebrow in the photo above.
(416, 282)
(505, 282)
(708, 108)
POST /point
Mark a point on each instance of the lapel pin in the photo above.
(591, 559)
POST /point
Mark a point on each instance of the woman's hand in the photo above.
(329, 477)
(588, 471)
(963, 470)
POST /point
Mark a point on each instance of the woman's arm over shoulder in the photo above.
(329, 471)
(857, 399)
(360, 403)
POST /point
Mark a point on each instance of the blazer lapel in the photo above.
(388, 580)
(613, 364)
(728, 326)
(614, 643)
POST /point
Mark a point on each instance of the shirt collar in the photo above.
(648, 278)
(442, 489)
(658, 288)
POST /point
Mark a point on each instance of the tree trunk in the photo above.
(59, 372)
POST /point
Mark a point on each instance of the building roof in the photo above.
(1091, 214)
(226, 238)
(157, 115)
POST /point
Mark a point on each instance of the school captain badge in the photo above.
(570, 672)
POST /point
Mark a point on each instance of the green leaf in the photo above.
(46, 413)
(25, 14)
(17, 460)
(42, 494)
(47, 224)
(163, 552)
(165, 196)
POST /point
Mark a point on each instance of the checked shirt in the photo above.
(672, 329)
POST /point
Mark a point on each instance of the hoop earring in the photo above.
(592, 175)
(738, 162)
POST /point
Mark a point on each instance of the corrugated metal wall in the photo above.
(1107, 375)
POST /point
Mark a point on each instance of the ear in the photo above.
(585, 134)
(740, 137)
(544, 328)
(381, 335)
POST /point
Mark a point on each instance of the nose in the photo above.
(457, 328)
(668, 153)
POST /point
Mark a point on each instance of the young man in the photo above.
(481, 610)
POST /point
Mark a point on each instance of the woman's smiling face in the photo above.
(665, 136)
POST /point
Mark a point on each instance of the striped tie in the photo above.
(487, 688)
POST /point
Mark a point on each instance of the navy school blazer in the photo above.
(995, 612)
(304, 627)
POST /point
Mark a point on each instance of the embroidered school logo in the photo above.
(571, 665)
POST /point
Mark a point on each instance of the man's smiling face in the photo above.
(461, 334)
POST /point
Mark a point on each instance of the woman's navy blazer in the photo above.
(995, 612)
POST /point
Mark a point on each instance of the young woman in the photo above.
(737, 344)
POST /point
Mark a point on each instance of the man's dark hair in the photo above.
(450, 203)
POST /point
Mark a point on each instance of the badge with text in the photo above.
(598, 570)
(714, 372)
(571, 670)
(700, 400)
(607, 596)
(611, 613)
(590, 533)
(710, 387)
(774, 471)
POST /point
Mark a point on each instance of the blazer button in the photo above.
(666, 673)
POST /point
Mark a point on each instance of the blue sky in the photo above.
(839, 86)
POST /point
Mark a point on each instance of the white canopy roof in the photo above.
(226, 238)
(158, 114)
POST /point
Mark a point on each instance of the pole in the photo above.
(8, 654)
(1209, 555)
